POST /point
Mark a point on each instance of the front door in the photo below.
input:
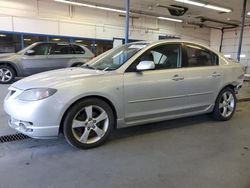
(155, 94)
(38, 61)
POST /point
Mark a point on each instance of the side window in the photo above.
(78, 49)
(164, 56)
(198, 57)
(42, 49)
(62, 49)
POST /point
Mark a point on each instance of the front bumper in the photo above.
(36, 119)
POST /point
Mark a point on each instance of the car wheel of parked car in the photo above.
(88, 123)
(7, 74)
(225, 105)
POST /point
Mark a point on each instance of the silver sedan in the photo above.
(133, 84)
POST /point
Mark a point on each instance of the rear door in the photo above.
(61, 56)
(203, 76)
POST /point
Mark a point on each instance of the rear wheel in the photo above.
(7, 74)
(225, 105)
(88, 123)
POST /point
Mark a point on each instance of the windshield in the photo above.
(115, 58)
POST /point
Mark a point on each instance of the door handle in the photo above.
(177, 78)
(215, 75)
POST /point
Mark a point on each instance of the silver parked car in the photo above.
(40, 57)
(133, 84)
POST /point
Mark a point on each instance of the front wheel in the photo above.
(88, 123)
(7, 74)
(225, 105)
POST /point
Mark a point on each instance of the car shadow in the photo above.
(160, 126)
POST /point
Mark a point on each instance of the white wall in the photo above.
(231, 41)
(49, 17)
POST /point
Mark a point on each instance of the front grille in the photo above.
(12, 137)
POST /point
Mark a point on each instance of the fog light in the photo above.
(23, 126)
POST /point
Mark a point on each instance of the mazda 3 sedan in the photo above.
(134, 84)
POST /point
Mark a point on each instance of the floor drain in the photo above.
(12, 137)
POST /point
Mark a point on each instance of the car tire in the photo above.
(225, 105)
(88, 123)
(7, 74)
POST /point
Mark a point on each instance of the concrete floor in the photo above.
(190, 152)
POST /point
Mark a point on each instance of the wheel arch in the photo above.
(109, 102)
(7, 63)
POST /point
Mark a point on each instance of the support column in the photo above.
(127, 22)
(242, 29)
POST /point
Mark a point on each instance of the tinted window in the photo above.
(42, 49)
(198, 56)
(59, 49)
(79, 50)
(164, 56)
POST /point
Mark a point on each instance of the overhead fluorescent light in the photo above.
(205, 5)
(170, 19)
(192, 2)
(243, 56)
(56, 39)
(91, 6)
(78, 40)
(221, 9)
(248, 13)
(227, 55)
(2, 35)
(27, 39)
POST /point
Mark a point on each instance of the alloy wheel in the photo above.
(90, 124)
(5, 75)
(227, 104)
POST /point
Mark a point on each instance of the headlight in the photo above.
(36, 94)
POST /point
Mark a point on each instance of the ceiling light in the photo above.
(205, 5)
(242, 55)
(191, 2)
(170, 19)
(56, 39)
(2, 35)
(90, 6)
(221, 9)
(248, 13)
(227, 55)
(78, 40)
(27, 39)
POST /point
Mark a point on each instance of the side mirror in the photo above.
(30, 52)
(145, 65)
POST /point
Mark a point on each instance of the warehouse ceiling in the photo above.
(195, 15)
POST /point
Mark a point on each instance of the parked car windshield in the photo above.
(115, 58)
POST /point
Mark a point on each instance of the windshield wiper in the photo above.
(88, 66)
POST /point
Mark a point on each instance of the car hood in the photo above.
(57, 78)
(6, 56)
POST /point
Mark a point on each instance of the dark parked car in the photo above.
(40, 57)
